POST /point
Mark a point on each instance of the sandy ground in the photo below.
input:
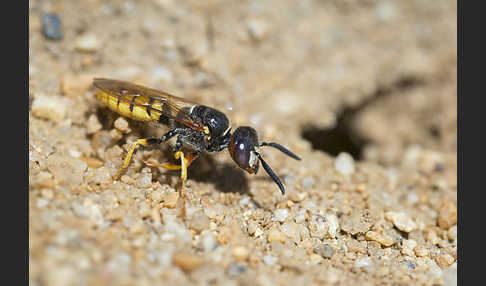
(380, 73)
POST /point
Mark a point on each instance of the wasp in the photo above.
(198, 128)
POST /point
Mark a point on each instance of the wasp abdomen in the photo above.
(138, 108)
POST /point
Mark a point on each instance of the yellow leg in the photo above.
(189, 158)
(126, 162)
(180, 155)
(186, 160)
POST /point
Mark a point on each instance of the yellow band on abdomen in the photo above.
(122, 107)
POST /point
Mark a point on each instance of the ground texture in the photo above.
(363, 91)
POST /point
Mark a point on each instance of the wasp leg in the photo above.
(145, 142)
(188, 157)
(180, 155)
(126, 162)
(186, 160)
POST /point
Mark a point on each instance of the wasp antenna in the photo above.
(271, 173)
(282, 149)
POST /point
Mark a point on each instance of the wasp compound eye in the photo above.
(243, 148)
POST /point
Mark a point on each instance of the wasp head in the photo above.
(244, 149)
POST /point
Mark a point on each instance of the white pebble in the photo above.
(280, 215)
(401, 221)
(49, 107)
(300, 217)
(87, 43)
(412, 198)
(269, 260)
(363, 262)
(344, 164)
(257, 29)
(41, 202)
(208, 240)
(318, 226)
(333, 225)
(121, 124)
(244, 201)
(308, 182)
(408, 245)
(93, 125)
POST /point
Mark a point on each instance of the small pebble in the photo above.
(186, 262)
(254, 229)
(47, 193)
(49, 107)
(198, 221)
(318, 226)
(269, 260)
(291, 230)
(280, 215)
(344, 164)
(170, 200)
(363, 262)
(157, 194)
(447, 215)
(42, 203)
(51, 26)
(315, 259)
(93, 125)
(408, 246)
(87, 43)
(75, 85)
(324, 250)
(98, 175)
(121, 124)
(401, 221)
(412, 198)
(144, 179)
(155, 215)
(240, 253)
(92, 162)
(354, 245)
(257, 29)
(236, 269)
(432, 237)
(333, 225)
(297, 196)
(382, 239)
(444, 260)
(410, 264)
(275, 235)
(452, 233)
(308, 182)
(421, 251)
(208, 241)
(66, 169)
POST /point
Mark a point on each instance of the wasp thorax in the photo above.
(243, 148)
(215, 120)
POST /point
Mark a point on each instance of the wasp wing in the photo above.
(143, 103)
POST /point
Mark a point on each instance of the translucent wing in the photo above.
(144, 104)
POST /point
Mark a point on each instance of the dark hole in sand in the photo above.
(342, 137)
